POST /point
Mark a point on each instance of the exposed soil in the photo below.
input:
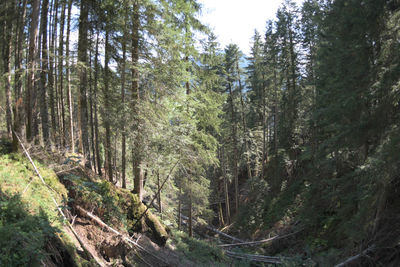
(109, 249)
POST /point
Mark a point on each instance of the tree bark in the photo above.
(68, 74)
(137, 170)
(19, 107)
(123, 78)
(93, 146)
(33, 33)
(226, 191)
(6, 53)
(61, 73)
(82, 58)
(106, 119)
(51, 81)
(44, 73)
(96, 120)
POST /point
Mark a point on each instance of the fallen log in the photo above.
(254, 257)
(356, 257)
(214, 230)
(253, 243)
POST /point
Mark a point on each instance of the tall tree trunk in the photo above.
(33, 33)
(44, 72)
(137, 170)
(51, 82)
(220, 215)
(123, 79)
(190, 224)
(180, 208)
(18, 108)
(226, 191)
(244, 122)
(68, 73)
(96, 120)
(291, 85)
(160, 209)
(82, 58)
(276, 118)
(36, 91)
(93, 146)
(61, 73)
(115, 158)
(190, 215)
(235, 150)
(107, 99)
(6, 53)
(264, 156)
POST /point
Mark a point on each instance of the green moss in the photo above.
(29, 220)
(17, 176)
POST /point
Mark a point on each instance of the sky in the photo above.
(234, 21)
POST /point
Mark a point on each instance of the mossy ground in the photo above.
(31, 230)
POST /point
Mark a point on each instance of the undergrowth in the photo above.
(23, 236)
(199, 251)
(31, 230)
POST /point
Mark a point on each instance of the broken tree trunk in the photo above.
(214, 230)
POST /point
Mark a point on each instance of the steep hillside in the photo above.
(102, 215)
(31, 229)
(38, 235)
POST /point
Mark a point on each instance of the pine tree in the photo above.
(231, 56)
(258, 107)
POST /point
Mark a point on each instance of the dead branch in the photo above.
(356, 257)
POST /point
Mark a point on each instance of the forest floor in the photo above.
(97, 245)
